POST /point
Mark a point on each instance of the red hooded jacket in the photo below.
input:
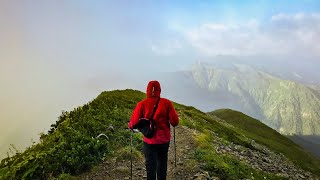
(164, 114)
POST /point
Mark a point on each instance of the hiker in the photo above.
(156, 148)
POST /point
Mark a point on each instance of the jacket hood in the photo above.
(153, 89)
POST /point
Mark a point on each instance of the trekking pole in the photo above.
(174, 142)
(131, 152)
(175, 154)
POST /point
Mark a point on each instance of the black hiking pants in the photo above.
(156, 158)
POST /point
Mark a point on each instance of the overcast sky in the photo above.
(56, 55)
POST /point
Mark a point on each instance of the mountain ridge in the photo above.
(70, 148)
(285, 105)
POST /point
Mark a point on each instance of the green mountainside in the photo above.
(228, 144)
(262, 134)
(287, 106)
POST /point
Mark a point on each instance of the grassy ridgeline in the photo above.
(70, 146)
(267, 136)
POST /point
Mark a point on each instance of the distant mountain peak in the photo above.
(288, 106)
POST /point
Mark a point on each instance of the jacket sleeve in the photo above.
(136, 115)
(173, 116)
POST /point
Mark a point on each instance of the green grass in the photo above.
(70, 147)
(224, 166)
(267, 136)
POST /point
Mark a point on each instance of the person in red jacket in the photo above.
(155, 149)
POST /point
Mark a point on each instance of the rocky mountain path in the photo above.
(261, 158)
(187, 167)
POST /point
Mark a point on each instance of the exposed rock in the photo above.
(261, 158)
(122, 169)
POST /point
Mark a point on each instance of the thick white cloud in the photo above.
(283, 34)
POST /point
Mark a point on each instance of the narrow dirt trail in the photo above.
(187, 168)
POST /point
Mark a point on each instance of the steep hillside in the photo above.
(310, 143)
(261, 133)
(287, 106)
(70, 145)
(207, 147)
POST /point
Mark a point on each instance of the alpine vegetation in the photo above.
(93, 141)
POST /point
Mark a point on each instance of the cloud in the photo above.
(283, 34)
(166, 48)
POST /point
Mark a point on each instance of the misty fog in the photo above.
(56, 56)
